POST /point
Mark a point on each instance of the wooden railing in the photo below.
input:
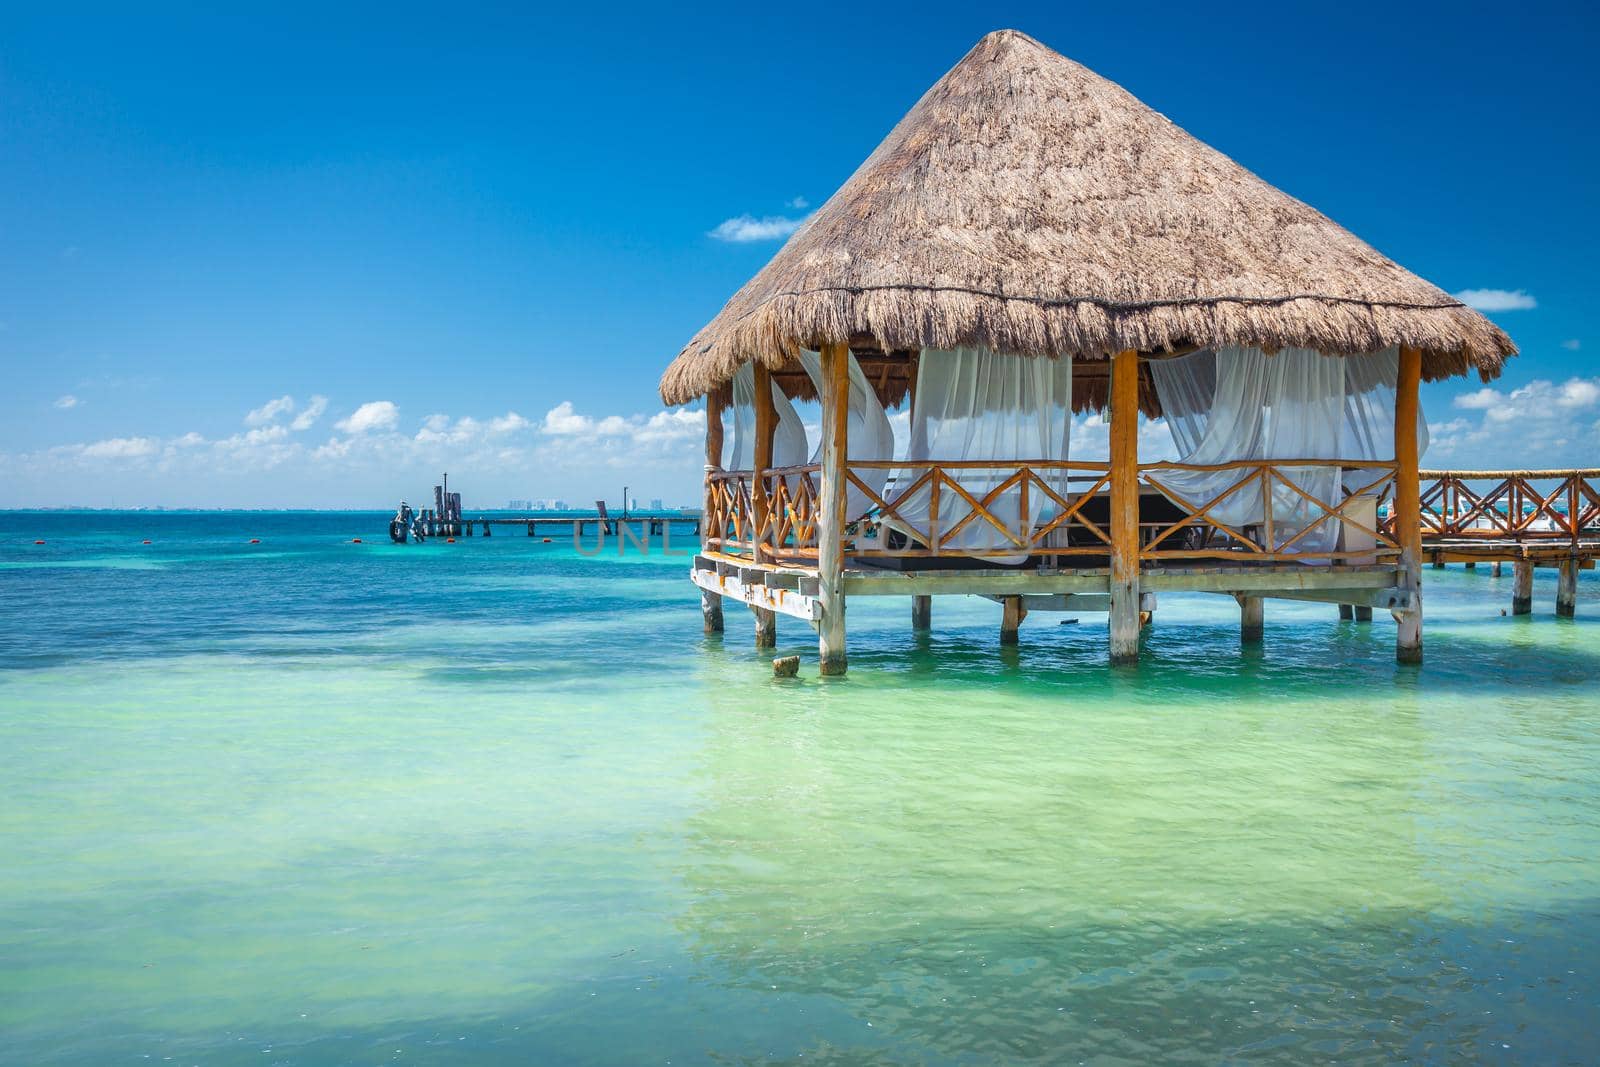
(1543, 505)
(935, 511)
(986, 503)
(788, 529)
(1289, 519)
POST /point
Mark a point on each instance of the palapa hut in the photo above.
(1031, 241)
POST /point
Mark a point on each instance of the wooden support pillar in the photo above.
(922, 613)
(766, 627)
(711, 611)
(1495, 571)
(1567, 588)
(1407, 505)
(760, 502)
(1125, 507)
(830, 507)
(1347, 612)
(1522, 587)
(710, 603)
(1363, 613)
(1471, 566)
(1011, 618)
(1252, 619)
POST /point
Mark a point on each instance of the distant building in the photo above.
(655, 504)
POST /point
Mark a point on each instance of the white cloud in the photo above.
(799, 203)
(65, 402)
(745, 228)
(1497, 299)
(119, 448)
(311, 414)
(1540, 424)
(270, 411)
(1540, 400)
(663, 429)
(373, 415)
(1572, 345)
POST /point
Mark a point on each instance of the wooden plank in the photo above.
(1265, 579)
(783, 601)
(947, 583)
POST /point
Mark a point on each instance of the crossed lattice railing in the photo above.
(1050, 509)
(1262, 510)
(1551, 505)
(951, 507)
(786, 528)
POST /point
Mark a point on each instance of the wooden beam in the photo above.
(710, 602)
(1407, 506)
(830, 508)
(1125, 507)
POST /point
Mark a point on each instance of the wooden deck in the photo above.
(1524, 518)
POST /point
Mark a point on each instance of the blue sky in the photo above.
(479, 235)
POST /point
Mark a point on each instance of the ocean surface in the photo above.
(314, 802)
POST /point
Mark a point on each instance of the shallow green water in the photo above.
(308, 802)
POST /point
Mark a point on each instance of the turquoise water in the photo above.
(312, 802)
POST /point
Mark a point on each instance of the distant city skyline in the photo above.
(247, 265)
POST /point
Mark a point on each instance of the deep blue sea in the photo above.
(314, 802)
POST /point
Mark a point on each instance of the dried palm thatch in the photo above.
(1030, 206)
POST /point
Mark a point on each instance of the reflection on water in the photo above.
(371, 804)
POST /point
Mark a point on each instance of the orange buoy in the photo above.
(547, 540)
(255, 540)
(449, 540)
(144, 542)
(38, 542)
(355, 540)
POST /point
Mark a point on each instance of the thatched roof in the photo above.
(1028, 205)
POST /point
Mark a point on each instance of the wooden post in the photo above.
(1252, 619)
(1125, 507)
(710, 603)
(1522, 587)
(766, 627)
(1567, 588)
(1347, 612)
(830, 507)
(922, 613)
(1495, 572)
(1407, 505)
(760, 503)
(1011, 619)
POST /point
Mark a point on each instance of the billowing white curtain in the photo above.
(788, 437)
(973, 404)
(1370, 383)
(1235, 403)
(868, 433)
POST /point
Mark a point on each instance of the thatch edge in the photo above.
(1454, 338)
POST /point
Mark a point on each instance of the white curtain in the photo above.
(973, 404)
(868, 433)
(788, 437)
(1234, 403)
